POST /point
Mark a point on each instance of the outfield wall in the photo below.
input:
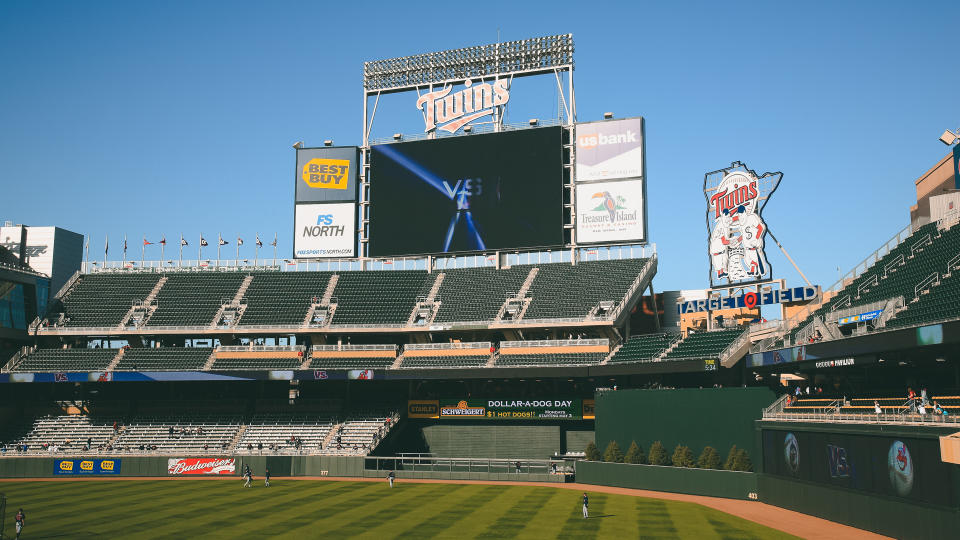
(851, 474)
(717, 417)
(712, 483)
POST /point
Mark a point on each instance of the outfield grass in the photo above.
(325, 509)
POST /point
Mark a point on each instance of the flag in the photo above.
(222, 242)
(163, 240)
(239, 241)
(203, 241)
(145, 242)
(106, 246)
(183, 241)
(259, 243)
(124, 244)
(274, 243)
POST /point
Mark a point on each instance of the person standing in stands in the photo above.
(19, 519)
(586, 503)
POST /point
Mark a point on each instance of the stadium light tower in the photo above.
(950, 137)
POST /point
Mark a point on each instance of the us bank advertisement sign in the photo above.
(610, 149)
(610, 211)
(327, 174)
(324, 230)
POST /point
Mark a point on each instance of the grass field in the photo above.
(326, 509)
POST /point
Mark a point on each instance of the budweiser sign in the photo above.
(201, 466)
(449, 111)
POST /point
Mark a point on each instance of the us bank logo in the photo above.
(326, 173)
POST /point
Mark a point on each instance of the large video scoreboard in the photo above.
(471, 193)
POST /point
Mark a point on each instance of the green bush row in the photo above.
(737, 458)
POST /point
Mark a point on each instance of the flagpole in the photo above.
(106, 248)
(180, 264)
(274, 248)
(256, 254)
(163, 245)
(219, 243)
(200, 249)
(238, 250)
(124, 250)
(143, 250)
(86, 257)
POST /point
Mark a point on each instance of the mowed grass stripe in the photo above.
(165, 511)
(260, 503)
(68, 509)
(578, 527)
(401, 508)
(292, 518)
(519, 516)
(654, 520)
(455, 510)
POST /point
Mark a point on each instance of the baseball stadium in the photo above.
(486, 366)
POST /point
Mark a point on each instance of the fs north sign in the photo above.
(750, 300)
(446, 110)
(735, 199)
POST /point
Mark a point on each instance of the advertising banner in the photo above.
(474, 193)
(610, 211)
(610, 149)
(325, 230)
(862, 317)
(177, 466)
(79, 467)
(508, 409)
(897, 467)
(735, 198)
(750, 300)
(327, 174)
(423, 408)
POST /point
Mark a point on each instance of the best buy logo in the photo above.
(327, 173)
(86, 465)
(66, 465)
(106, 465)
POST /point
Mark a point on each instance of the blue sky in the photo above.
(177, 117)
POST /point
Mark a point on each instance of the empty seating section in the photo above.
(379, 297)
(941, 301)
(644, 348)
(357, 436)
(66, 433)
(446, 358)
(67, 360)
(164, 359)
(895, 278)
(187, 434)
(193, 299)
(476, 294)
(102, 299)
(258, 359)
(353, 359)
(277, 429)
(704, 344)
(565, 291)
(282, 297)
(553, 359)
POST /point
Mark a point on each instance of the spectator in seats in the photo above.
(876, 407)
(170, 431)
(808, 389)
(922, 409)
(517, 464)
(937, 409)
(205, 447)
(923, 397)
(115, 426)
(260, 447)
(912, 397)
(798, 392)
(249, 447)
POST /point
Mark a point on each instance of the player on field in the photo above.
(390, 478)
(19, 520)
(248, 476)
(586, 503)
(266, 478)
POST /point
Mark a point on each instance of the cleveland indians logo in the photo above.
(902, 458)
(735, 200)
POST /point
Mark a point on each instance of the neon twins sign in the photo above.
(449, 111)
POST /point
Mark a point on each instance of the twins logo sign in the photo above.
(735, 200)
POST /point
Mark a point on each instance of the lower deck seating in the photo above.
(64, 434)
(704, 344)
(352, 362)
(443, 361)
(241, 360)
(279, 432)
(186, 434)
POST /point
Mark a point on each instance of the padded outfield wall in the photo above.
(884, 478)
(717, 417)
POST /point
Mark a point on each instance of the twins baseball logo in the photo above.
(735, 225)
